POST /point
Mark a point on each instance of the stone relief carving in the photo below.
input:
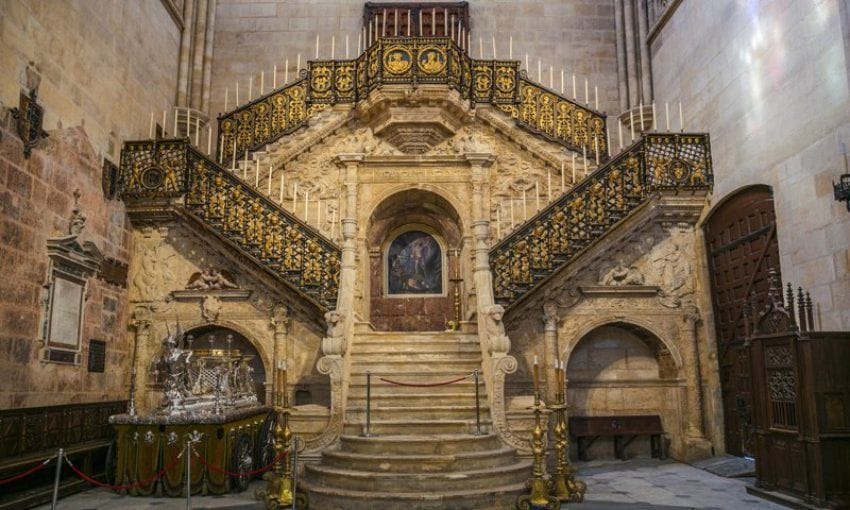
(211, 279)
(621, 274)
(211, 308)
(675, 276)
(334, 343)
(153, 272)
(499, 342)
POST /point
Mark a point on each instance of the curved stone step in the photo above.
(374, 348)
(357, 386)
(401, 366)
(491, 498)
(425, 427)
(401, 462)
(357, 414)
(420, 444)
(398, 483)
(379, 400)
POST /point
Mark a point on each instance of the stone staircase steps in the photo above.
(420, 444)
(415, 399)
(401, 365)
(416, 427)
(495, 498)
(394, 483)
(441, 412)
(464, 461)
(358, 387)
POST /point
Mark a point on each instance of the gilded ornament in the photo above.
(397, 60)
(432, 60)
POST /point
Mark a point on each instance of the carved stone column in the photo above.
(348, 270)
(550, 349)
(280, 327)
(141, 323)
(697, 445)
(480, 163)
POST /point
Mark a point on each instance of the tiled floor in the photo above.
(639, 484)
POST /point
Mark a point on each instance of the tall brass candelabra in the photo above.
(564, 484)
(279, 493)
(538, 497)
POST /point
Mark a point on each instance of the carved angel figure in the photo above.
(210, 279)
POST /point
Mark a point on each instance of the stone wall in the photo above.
(36, 198)
(769, 82)
(104, 65)
(256, 35)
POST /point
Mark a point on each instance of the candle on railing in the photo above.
(395, 22)
(294, 196)
(642, 129)
(164, 120)
(494, 47)
(524, 206)
(433, 21)
(420, 24)
(175, 122)
(282, 398)
(667, 114)
(511, 47)
(654, 118)
(608, 137)
(250, 87)
(632, 123)
(596, 148)
(297, 65)
(359, 41)
(269, 191)
(584, 160)
(536, 375)
(286, 72)
(150, 129)
(369, 38)
(317, 46)
(280, 194)
(563, 179)
(537, 194)
(575, 97)
(596, 97)
(451, 29)
(237, 93)
(551, 78)
(548, 184)
(262, 83)
(409, 23)
(574, 168)
(209, 139)
(245, 167)
(620, 132)
(681, 119)
(512, 210)
(445, 22)
(526, 63)
(562, 81)
(257, 175)
(333, 46)
(481, 48)
(197, 131)
(274, 77)
(586, 93)
(306, 205)
(539, 71)
(233, 157)
(346, 46)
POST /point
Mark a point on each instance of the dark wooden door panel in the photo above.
(741, 236)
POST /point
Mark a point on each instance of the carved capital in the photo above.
(279, 318)
(550, 316)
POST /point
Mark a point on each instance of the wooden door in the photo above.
(742, 248)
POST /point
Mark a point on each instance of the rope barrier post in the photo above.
(477, 406)
(368, 404)
(188, 474)
(294, 471)
(56, 479)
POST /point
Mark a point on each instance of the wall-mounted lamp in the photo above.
(842, 188)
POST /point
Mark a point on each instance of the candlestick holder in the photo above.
(565, 487)
(539, 487)
(279, 493)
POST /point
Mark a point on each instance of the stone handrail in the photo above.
(153, 171)
(414, 61)
(569, 225)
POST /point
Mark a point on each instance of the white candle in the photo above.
(584, 161)
(667, 114)
(420, 24)
(537, 194)
(233, 157)
(346, 46)
(681, 119)
(641, 117)
(317, 46)
(620, 132)
(451, 29)
(608, 137)
(654, 118)
(225, 98)
(445, 22)
(551, 78)
(274, 77)
(586, 95)
(539, 72)
(535, 359)
(294, 196)
(596, 97)
(237, 93)
(262, 82)
(526, 63)
(175, 122)
(575, 97)
(297, 65)
(150, 129)
(286, 72)
(197, 131)
(480, 48)
(524, 206)
(574, 168)
(632, 124)
(511, 47)
(164, 120)
(433, 21)
(409, 22)
(333, 46)
(512, 210)
(319, 208)
(369, 39)
(395, 22)
(209, 139)
(596, 148)
(548, 184)
(562, 81)
(280, 195)
(359, 40)
(494, 47)
(250, 87)
(269, 191)
(563, 178)
(306, 205)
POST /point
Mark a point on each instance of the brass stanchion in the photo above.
(564, 484)
(538, 497)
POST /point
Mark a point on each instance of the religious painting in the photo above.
(414, 264)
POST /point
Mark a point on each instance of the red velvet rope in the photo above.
(142, 483)
(424, 385)
(247, 473)
(28, 472)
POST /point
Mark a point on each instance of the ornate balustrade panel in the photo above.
(413, 61)
(258, 227)
(572, 223)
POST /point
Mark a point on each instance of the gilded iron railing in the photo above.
(569, 225)
(235, 211)
(414, 61)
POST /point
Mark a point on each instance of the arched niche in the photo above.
(622, 369)
(409, 217)
(215, 336)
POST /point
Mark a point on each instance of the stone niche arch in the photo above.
(214, 336)
(412, 210)
(623, 369)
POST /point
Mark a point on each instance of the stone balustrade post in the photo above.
(550, 349)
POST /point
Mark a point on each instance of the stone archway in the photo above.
(622, 369)
(413, 239)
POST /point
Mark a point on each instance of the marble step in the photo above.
(406, 463)
(415, 337)
(417, 399)
(491, 498)
(410, 426)
(396, 483)
(419, 356)
(420, 444)
(357, 387)
(401, 366)
(357, 414)
(398, 348)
